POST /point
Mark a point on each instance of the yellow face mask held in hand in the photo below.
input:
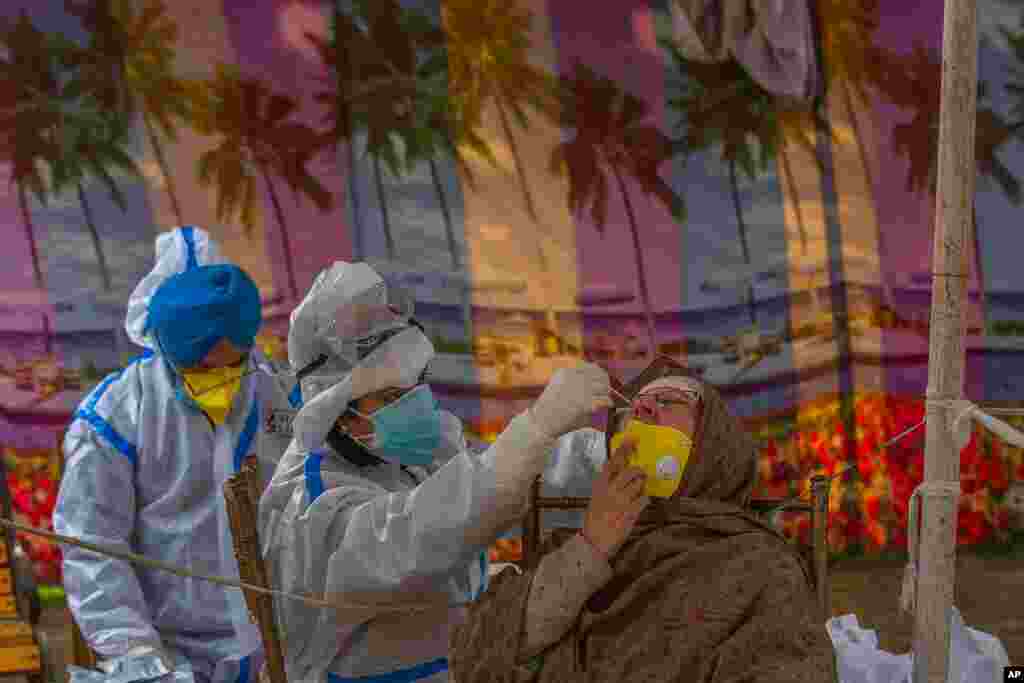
(214, 389)
(661, 452)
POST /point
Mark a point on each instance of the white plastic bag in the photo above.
(974, 657)
(858, 658)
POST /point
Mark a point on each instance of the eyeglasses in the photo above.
(664, 400)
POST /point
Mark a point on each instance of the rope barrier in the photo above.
(133, 558)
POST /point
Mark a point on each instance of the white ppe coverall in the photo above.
(402, 547)
(144, 470)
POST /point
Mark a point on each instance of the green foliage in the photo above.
(30, 71)
(90, 373)
(56, 118)
(443, 345)
(610, 135)
(914, 85)
(258, 140)
(1007, 328)
(719, 104)
(388, 76)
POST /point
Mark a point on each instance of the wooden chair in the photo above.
(81, 654)
(818, 509)
(242, 493)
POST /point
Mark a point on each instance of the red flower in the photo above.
(971, 527)
(854, 529)
(866, 467)
(872, 506)
(1002, 519)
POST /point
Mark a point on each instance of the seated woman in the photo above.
(700, 591)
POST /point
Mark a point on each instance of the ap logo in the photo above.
(1014, 673)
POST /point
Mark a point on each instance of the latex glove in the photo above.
(570, 399)
(113, 664)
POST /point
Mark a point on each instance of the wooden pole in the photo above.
(820, 489)
(955, 195)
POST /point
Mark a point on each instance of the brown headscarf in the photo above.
(704, 591)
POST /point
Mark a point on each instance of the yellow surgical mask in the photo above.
(214, 389)
(661, 452)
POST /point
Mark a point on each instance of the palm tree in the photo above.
(611, 139)
(92, 143)
(258, 142)
(71, 129)
(375, 72)
(720, 105)
(27, 81)
(101, 65)
(339, 116)
(488, 60)
(855, 64)
(362, 88)
(426, 139)
(857, 67)
(489, 51)
(400, 54)
(137, 45)
(918, 90)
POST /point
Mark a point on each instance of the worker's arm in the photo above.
(96, 504)
(331, 531)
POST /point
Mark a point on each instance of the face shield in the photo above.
(352, 335)
(345, 314)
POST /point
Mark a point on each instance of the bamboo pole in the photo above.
(956, 173)
(820, 489)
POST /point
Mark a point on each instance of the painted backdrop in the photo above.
(553, 180)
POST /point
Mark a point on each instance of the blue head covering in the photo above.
(191, 312)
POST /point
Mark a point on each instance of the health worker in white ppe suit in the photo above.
(378, 504)
(146, 456)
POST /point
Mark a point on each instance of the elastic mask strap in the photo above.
(312, 367)
(175, 371)
(181, 373)
(370, 416)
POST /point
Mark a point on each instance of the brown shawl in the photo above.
(704, 592)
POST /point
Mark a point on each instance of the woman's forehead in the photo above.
(667, 391)
(672, 383)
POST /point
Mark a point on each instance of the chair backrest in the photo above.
(81, 654)
(818, 509)
(242, 494)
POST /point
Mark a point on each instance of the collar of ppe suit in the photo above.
(397, 362)
(179, 250)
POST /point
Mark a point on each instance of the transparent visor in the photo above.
(353, 326)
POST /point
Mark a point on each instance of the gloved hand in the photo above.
(115, 665)
(399, 362)
(570, 399)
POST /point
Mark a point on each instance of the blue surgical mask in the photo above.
(408, 431)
